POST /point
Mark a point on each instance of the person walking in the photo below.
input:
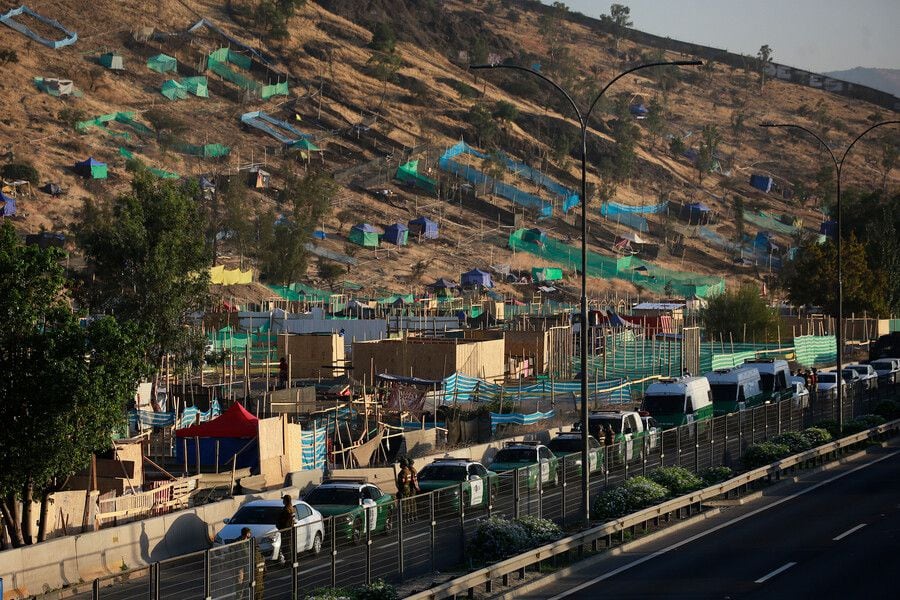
(285, 524)
(404, 480)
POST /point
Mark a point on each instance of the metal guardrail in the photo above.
(577, 542)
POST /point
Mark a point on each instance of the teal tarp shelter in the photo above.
(91, 168)
(409, 173)
(546, 274)
(396, 234)
(162, 63)
(424, 227)
(365, 235)
(198, 86)
(535, 235)
(173, 90)
(112, 60)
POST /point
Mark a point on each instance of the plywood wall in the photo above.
(310, 353)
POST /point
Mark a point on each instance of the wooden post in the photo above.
(217, 456)
(197, 451)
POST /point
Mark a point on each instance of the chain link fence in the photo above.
(428, 533)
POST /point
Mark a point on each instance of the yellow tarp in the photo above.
(222, 276)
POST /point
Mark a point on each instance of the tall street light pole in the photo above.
(839, 333)
(583, 123)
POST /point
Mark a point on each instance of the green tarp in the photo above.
(546, 274)
(173, 90)
(198, 86)
(218, 62)
(126, 118)
(364, 235)
(409, 173)
(112, 60)
(206, 151)
(162, 63)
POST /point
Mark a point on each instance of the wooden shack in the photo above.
(312, 355)
(429, 358)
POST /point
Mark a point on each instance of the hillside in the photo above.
(367, 127)
(887, 80)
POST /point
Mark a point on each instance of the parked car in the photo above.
(358, 506)
(477, 485)
(826, 381)
(888, 369)
(628, 427)
(867, 375)
(572, 442)
(260, 516)
(539, 462)
(800, 395)
(736, 388)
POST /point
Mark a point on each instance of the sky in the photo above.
(816, 35)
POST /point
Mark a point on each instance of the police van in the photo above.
(774, 375)
(678, 401)
(735, 389)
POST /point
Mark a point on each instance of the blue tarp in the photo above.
(761, 182)
(519, 418)
(313, 448)
(395, 234)
(9, 205)
(276, 128)
(639, 110)
(614, 208)
(463, 388)
(477, 277)
(425, 227)
(150, 418)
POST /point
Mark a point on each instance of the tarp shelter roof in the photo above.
(112, 60)
(52, 188)
(658, 306)
(425, 227)
(173, 90)
(9, 205)
(638, 109)
(698, 207)
(365, 228)
(162, 63)
(235, 422)
(632, 237)
(477, 277)
(442, 283)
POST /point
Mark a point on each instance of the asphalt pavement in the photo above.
(834, 534)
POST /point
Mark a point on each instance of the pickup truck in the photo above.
(627, 426)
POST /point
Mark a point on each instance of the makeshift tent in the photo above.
(92, 169)
(162, 63)
(697, 212)
(396, 234)
(535, 235)
(53, 189)
(173, 90)
(365, 235)
(257, 178)
(639, 111)
(761, 182)
(409, 173)
(477, 277)
(230, 432)
(424, 227)
(56, 87)
(8, 19)
(546, 274)
(198, 86)
(443, 287)
(7, 205)
(112, 60)
(45, 239)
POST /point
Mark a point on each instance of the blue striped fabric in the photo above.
(313, 448)
(519, 419)
(463, 388)
(150, 418)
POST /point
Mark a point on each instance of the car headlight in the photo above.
(271, 538)
(348, 519)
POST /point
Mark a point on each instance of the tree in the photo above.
(65, 387)
(283, 253)
(505, 111)
(329, 271)
(626, 134)
(273, 16)
(676, 145)
(237, 214)
(811, 278)
(383, 38)
(481, 119)
(148, 254)
(764, 59)
(709, 146)
(619, 18)
(345, 216)
(165, 123)
(22, 170)
(729, 313)
(826, 187)
(890, 152)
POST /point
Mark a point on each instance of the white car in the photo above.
(826, 381)
(799, 395)
(867, 374)
(261, 515)
(888, 369)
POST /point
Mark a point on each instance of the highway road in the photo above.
(834, 534)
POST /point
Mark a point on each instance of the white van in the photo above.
(888, 369)
(735, 389)
(674, 402)
(774, 374)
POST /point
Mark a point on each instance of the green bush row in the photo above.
(499, 537)
(792, 442)
(377, 590)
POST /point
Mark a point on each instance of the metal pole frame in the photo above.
(838, 166)
(583, 337)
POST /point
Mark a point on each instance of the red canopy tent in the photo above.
(221, 438)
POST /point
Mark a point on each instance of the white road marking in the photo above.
(781, 569)
(848, 532)
(693, 538)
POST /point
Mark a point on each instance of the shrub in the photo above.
(24, 171)
(377, 590)
(540, 531)
(498, 537)
(610, 504)
(714, 475)
(643, 492)
(831, 427)
(861, 423)
(794, 440)
(816, 436)
(328, 594)
(677, 480)
(759, 455)
(889, 409)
